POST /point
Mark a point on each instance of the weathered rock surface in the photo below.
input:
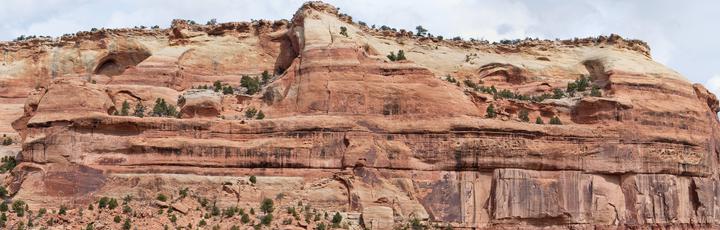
(347, 131)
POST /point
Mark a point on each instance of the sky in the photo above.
(682, 34)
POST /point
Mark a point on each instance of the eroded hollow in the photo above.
(116, 63)
(596, 71)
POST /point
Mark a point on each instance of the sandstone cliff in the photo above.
(384, 144)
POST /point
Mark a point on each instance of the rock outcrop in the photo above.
(576, 134)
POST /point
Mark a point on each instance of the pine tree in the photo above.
(260, 115)
(555, 121)
(539, 121)
(265, 77)
(125, 110)
(490, 111)
(139, 110)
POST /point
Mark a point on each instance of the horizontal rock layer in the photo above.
(345, 129)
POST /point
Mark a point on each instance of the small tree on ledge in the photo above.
(490, 111)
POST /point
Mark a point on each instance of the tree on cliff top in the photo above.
(421, 31)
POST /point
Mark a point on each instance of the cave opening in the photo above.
(109, 67)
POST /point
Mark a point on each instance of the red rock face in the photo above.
(385, 144)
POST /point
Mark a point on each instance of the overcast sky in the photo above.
(682, 34)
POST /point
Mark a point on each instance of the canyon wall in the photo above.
(384, 143)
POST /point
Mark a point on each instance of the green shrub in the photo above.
(103, 202)
(595, 92)
(228, 90)
(202, 223)
(343, 31)
(127, 209)
(490, 111)
(8, 163)
(127, 225)
(252, 84)
(230, 212)
(392, 56)
(582, 83)
(183, 192)
(63, 210)
(245, 218)
(555, 121)
(267, 219)
(3, 192)
(139, 110)
(215, 211)
(399, 57)
(265, 77)
(125, 109)
(162, 197)
(415, 224)
(320, 226)
(267, 205)
(217, 86)
(7, 140)
(173, 218)
(3, 207)
(524, 115)
(113, 203)
(337, 218)
(250, 112)
(163, 109)
(19, 207)
(539, 121)
(260, 115)
(470, 83)
(571, 88)
(117, 219)
(450, 79)
(558, 93)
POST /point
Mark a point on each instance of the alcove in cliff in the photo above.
(115, 63)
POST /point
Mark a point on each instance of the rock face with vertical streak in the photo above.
(382, 143)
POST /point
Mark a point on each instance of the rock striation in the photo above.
(574, 134)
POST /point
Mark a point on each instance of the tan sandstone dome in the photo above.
(194, 126)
